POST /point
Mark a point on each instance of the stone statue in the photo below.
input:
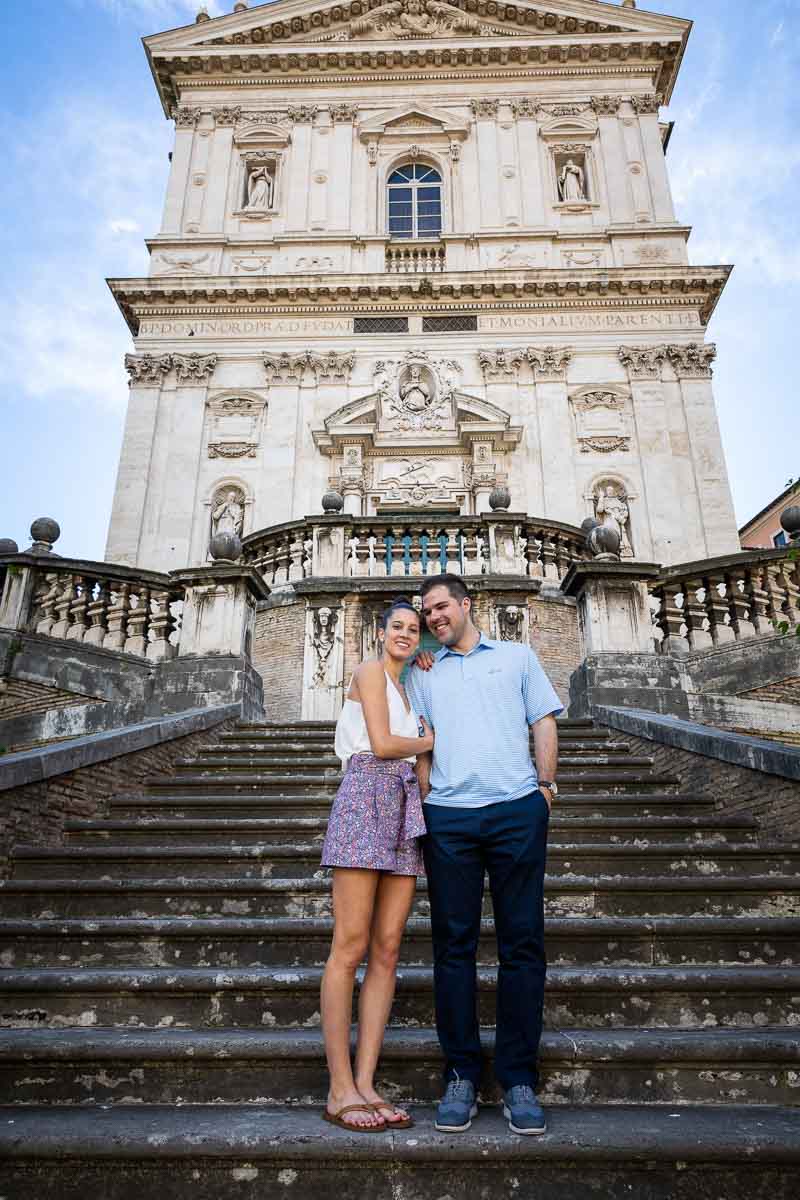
(612, 509)
(572, 181)
(415, 393)
(323, 640)
(227, 515)
(259, 189)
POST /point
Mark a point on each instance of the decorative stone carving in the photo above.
(181, 264)
(314, 264)
(289, 368)
(147, 368)
(343, 112)
(455, 151)
(228, 114)
(484, 109)
(643, 362)
(572, 182)
(416, 393)
(252, 264)
(372, 153)
(652, 252)
(513, 256)
(185, 118)
(524, 108)
(548, 362)
(231, 450)
(692, 361)
(414, 19)
(194, 368)
(267, 117)
(600, 421)
(332, 365)
(498, 363)
(234, 426)
(510, 622)
(227, 511)
(646, 104)
(302, 113)
(582, 258)
(323, 641)
(612, 509)
(417, 482)
(563, 110)
(606, 106)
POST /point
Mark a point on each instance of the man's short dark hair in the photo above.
(454, 584)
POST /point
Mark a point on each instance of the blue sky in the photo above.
(85, 166)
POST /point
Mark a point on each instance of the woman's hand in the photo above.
(427, 735)
(424, 660)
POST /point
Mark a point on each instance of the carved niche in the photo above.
(612, 507)
(227, 510)
(602, 419)
(416, 392)
(234, 426)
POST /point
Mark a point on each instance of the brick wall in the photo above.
(19, 698)
(278, 657)
(783, 691)
(772, 799)
(555, 638)
(36, 812)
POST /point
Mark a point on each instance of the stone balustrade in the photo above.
(381, 547)
(700, 605)
(415, 257)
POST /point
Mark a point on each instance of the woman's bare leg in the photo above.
(353, 902)
(393, 900)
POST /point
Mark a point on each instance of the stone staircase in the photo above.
(160, 997)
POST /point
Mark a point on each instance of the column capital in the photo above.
(606, 106)
(147, 368)
(643, 362)
(524, 107)
(484, 109)
(496, 364)
(549, 362)
(692, 361)
(194, 368)
(302, 113)
(650, 103)
(185, 117)
(227, 114)
(343, 112)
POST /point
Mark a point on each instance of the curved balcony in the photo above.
(346, 547)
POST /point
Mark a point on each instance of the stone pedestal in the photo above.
(613, 605)
(16, 595)
(219, 609)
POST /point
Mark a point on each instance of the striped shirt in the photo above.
(480, 706)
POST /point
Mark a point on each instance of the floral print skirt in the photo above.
(376, 821)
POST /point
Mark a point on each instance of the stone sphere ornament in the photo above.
(8, 546)
(499, 499)
(225, 547)
(44, 531)
(332, 502)
(604, 543)
(790, 521)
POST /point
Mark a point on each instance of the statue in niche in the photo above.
(414, 392)
(227, 513)
(612, 509)
(260, 185)
(572, 181)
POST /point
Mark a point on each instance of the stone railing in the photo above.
(415, 257)
(721, 600)
(379, 547)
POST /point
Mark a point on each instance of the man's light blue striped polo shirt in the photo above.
(480, 706)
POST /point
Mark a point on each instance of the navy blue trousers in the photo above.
(507, 841)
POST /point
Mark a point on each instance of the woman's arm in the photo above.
(371, 683)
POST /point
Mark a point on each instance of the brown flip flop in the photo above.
(406, 1123)
(336, 1119)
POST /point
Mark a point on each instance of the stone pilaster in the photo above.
(533, 189)
(646, 108)
(613, 151)
(178, 184)
(644, 365)
(556, 436)
(485, 114)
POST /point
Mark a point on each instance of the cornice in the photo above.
(584, 288)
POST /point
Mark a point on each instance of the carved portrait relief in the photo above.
(416, 393)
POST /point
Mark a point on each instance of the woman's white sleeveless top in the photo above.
(351, 728)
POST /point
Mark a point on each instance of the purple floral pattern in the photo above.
(376, 820)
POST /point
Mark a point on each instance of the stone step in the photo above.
(228, 764)
(594, 997)
(302, 860)
(272, 748)
(185, 781)
(680, 894)
(644, 1152)
(236, 1066)
(164, 831)
(564, 723)
(287, 941)
(259, 802)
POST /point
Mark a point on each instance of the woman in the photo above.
(373, 845)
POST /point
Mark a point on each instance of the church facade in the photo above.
(414, 252)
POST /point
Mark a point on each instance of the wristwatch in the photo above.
(550, 784)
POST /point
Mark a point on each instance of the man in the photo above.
(485, 810)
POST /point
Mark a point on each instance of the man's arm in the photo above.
(545, 751)
(423, 770)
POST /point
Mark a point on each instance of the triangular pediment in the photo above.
(413, 119)
(308, 21)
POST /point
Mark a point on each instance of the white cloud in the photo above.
(123, 225)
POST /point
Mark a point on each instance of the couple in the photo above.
(468, 757)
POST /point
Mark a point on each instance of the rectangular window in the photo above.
(380, 325)
(467, 323)
(780, 539)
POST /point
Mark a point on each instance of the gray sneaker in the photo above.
(522, 1110)
(457, 1107)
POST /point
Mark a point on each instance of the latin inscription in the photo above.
(246, 327)
(586, 322)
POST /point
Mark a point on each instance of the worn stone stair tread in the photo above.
(727, 1045)
(601, 1133)
(215, 979)
(323, 799)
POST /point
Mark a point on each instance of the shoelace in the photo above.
(458, 1089)
(522, 1093)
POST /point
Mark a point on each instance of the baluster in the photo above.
(77, 610)
(415, 553)
(138, 614)
(718, 610)
(381, 545)
(694, 614)
(117, 617)
(670, 621)
(296, 557)
(308, 558)
(434, 566)
(740, 605)
(282, 561)
(549, 565)
(453, 551)
(472, 553)
(62, 606)
(791, 605)
(758, 599)
(268, 563)
(44, 618)
(159, 646)
(97, 614)
(563, 557)
(533, 552)
(397, 563)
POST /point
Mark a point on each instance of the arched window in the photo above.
(415, 202)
